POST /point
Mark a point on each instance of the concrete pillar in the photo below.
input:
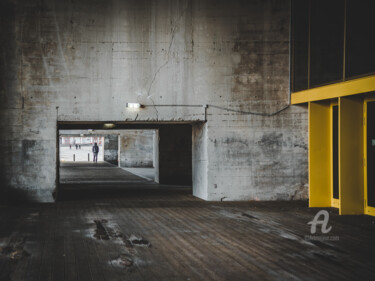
(156, 154)
(119, 150)
(200, 161)
(111, 149)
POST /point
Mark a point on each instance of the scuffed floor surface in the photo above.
(170, 235)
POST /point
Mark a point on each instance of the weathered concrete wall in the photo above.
(200, 160)
(155, 139)
(136, 149)
(27, 137)
(175, 155)
(111, 149)
(250, 157)
(83, 60)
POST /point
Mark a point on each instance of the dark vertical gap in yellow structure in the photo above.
(335, 152)
(369, 154)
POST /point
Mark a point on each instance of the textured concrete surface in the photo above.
(90, 236)
(83, 60)
(111, 149)
(136, 149)
(96, 173)
(147, 173)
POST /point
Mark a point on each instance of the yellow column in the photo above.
(351, 155)
(319, 155)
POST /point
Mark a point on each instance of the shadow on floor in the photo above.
(103, 191)
(103, 180)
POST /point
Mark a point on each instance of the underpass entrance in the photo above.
(131, 157)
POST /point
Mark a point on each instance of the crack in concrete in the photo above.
(173, 33)
(153, 104)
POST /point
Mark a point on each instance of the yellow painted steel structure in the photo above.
(351, 97)
(319, 155)
(342, 89)
(368, 209)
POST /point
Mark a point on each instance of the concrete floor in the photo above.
(94, 180)
(148, 173)
(101, 172)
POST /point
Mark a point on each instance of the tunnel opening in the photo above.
(132, 159)
(78, 147)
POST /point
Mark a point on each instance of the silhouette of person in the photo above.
(95, 151)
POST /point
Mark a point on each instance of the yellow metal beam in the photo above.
(342, 89)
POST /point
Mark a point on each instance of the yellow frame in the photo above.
(334, 202)
(319, 154)
(351, 98)
(340, 89)
(368, 210)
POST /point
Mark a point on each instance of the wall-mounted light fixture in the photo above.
(109, 125)
(133, 105)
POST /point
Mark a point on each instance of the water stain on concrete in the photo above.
(139, 241)
(27, 148)
(128, 256)
(100, 231)
(249, 216)
(123, 260)
(15, 249)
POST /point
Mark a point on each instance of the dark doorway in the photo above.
(371, 154)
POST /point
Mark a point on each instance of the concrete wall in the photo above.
(111, 149)
(137, 148)
(155, 140)
(200, 160)
(83, 60)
